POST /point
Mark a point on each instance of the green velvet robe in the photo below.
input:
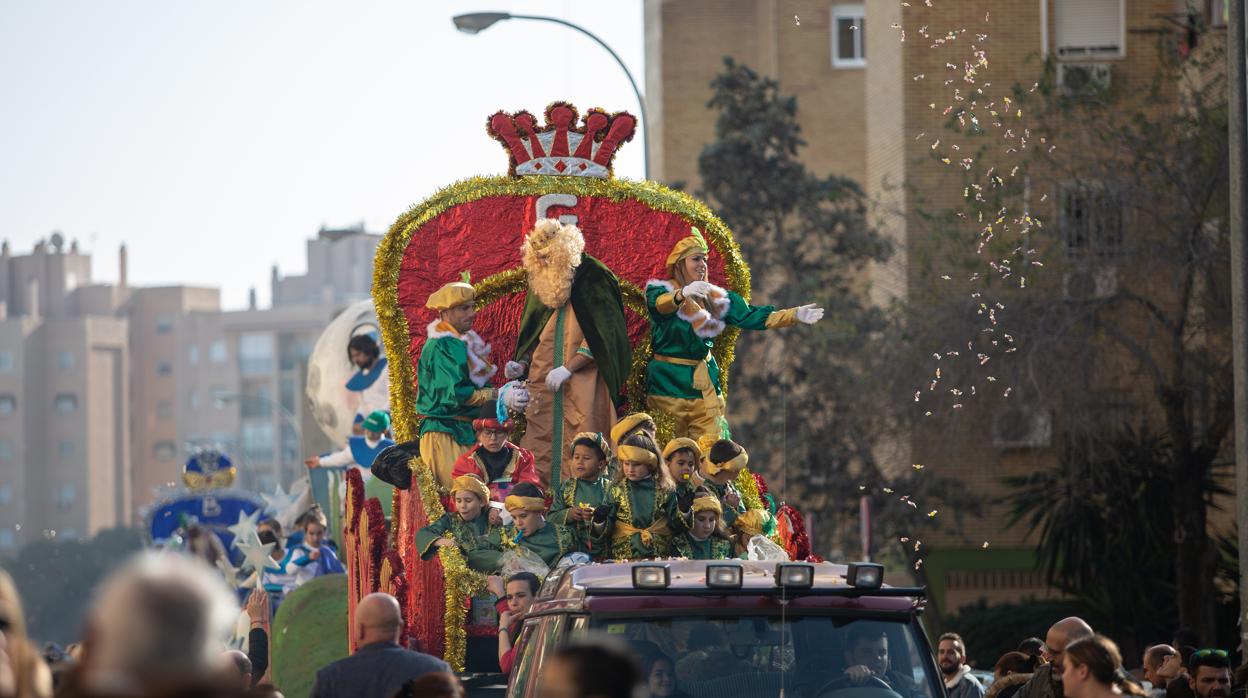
(638, 504)
(445, 388)
(672, 335)
(551, 542)
(713, 548)
(572, 493)
(480, 542)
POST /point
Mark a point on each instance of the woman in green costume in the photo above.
(586, 490)
(468, 528)
(641, 512)
(687, 312)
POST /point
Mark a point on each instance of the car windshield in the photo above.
(810, 656)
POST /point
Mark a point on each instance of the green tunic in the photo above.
(671, 335)
(722, 491)
(572, 493)
(712, 548)
(551, 542)
(480, 542)
(444, 390)
(635, 507)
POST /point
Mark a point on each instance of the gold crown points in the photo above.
(561, 148)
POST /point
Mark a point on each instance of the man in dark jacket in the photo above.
(379, 666)
(1047, 681)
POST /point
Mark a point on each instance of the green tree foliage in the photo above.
(57, 579)
(802, 399)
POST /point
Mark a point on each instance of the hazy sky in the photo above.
(213, 138)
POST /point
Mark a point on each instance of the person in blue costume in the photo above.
(360, 452)
(371, 381)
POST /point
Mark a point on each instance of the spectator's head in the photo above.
(1209, 673)
(1090, 664)
(867, 645)
(1185, 641)
(378, 619)
(521, 590)
(314, 525)
(527, 505)
(158, 621)
(1154, 657)
(1014, 663)
(363, 350)
(950, 653)
(1032, 647)
(270, 531)
(237, 669)
(438, 684)
(1064, 632)
(204, 544)
(596, 668)
(659, 674)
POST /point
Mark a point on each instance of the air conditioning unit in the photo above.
(1022, 427)
(1083, 78)
(1090, 283)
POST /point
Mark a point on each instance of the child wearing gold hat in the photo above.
(467, 527)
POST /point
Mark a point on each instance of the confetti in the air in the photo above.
(917, 466)
(985, 547)
(931, 514)
(797, 21)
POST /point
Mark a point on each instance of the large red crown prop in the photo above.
(560, 147)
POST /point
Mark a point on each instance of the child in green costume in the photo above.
(468, 528)
(579, 495)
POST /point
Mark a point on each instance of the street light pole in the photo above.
(475, 22)
(1237, 75)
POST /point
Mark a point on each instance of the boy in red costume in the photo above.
(495, 460)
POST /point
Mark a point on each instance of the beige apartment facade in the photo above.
(871, 106)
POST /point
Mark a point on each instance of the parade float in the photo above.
(561, 170)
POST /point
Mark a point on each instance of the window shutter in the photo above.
(1089, 27)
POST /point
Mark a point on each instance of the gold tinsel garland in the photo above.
(460, 581)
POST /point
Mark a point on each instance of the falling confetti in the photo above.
(797, 21)
(931, 514)
(985, 546)
(917, 466)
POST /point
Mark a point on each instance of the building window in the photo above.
(258, 441)
(6, 362)
(6, 449)
(1090, 29)
(65, 449)
(1090, 215)
(256, 400)
(8, 404)
(192, 355)
(293, 350)
(217, 352)
(849, 41)
(6, 538)
(164, 409)
(65, 360)
(164, 324)
(255, 354)
(164, 450)
(6, 494)
(217, 394)
(65, 496)
(68, 534)
(163, 368)
(66, 403)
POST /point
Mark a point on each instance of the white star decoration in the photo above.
(287, 507)
(256, 555)
(245, 530)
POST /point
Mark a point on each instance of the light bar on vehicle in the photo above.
(865, 575)
(651, 577)
(791, 575)
(723, 576)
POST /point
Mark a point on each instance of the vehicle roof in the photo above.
(609, 585)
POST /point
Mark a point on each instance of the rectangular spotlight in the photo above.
(723, 576)
(651, 577)
(865, 575)
(795, 575)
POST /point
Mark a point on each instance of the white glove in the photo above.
(514, 369)
(809, 314)
(696, 289)
(556, 378)
(515, 396)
